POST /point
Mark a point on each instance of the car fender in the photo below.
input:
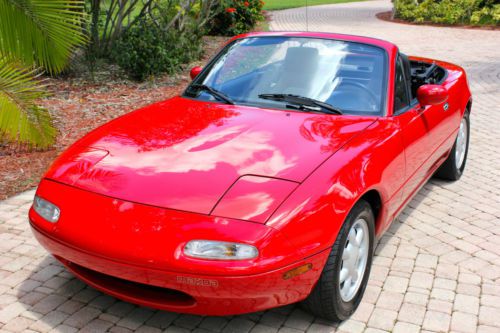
(313, 214)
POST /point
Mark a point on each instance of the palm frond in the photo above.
(41, 32)
(21, 120)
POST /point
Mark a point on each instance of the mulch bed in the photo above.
(387, 16)
(78, 105)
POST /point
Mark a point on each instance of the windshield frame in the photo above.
(209, 66)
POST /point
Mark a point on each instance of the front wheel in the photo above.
(454, 166)
(343, 281)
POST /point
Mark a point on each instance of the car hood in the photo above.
(185, 154)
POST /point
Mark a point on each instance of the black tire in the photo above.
(449, 170)
(325, 300)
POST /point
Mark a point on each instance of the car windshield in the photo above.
(265, 71)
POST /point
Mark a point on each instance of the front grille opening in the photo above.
(141, 292)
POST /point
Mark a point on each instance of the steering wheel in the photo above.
(373, 100)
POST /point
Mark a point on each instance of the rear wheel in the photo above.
(454, 165)
(342, 283)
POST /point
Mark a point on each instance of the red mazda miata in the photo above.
(266, 183)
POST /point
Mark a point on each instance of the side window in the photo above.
(400, 92)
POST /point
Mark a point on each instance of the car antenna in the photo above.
(307, 16)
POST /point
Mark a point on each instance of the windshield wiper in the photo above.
(304, 103)
(214, 92)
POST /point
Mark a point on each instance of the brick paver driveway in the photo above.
(437, 269)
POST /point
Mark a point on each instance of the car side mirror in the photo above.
(431, 94)
(195, 71)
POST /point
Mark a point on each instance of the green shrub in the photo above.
(146, 50)
(476, 12)
(486, 15)
(236, 17)
(149, 37)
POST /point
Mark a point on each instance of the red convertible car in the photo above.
(267, 182)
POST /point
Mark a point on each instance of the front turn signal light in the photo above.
(297, 271)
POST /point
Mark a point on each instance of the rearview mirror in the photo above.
(195, 71)
(431, 94)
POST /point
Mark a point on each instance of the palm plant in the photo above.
(35, 36)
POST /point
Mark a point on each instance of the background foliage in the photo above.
(150, 37)
(35, 36)
(146, 50)
(475, 12)
(164, 39)
(236, 17)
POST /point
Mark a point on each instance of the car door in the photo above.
(444, 120)
(420, 130)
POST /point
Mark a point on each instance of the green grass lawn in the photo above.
(284, 4)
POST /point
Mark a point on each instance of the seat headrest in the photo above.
(298, 57)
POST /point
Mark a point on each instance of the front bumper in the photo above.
(134, 252)
(187, 293)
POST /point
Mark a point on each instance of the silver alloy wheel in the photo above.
(354, 259)
(461, 144)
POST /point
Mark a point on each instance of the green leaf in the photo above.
(21, 120)
(41, 32)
